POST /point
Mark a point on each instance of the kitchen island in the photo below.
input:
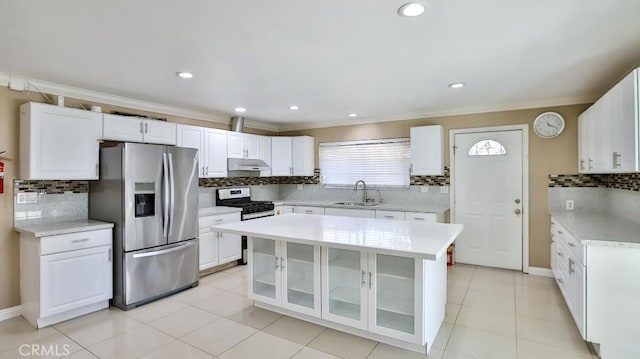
(380, 279)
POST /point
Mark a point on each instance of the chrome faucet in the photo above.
(364, 190)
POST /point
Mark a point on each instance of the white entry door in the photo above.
(488, 183)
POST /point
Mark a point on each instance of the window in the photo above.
(487, 148)
(381, 163)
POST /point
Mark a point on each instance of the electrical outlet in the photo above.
(570, 205)
(300, 187)
(444, 189)
(28, 197)
(424, 189)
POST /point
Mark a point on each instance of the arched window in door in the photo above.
(487, 148)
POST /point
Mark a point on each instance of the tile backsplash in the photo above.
(624, 181)
(51, 187)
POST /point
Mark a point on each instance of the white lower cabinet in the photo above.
(218, 248)
(569, 269)
(374, 292)
(395, 215)
(65, 276)
(348, 212)
(285, 274)
(309, 210)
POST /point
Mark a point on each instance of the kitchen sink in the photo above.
(359, 204)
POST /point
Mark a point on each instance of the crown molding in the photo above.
(442, 113)
(115, 100)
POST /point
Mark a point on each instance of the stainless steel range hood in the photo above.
(239, 164)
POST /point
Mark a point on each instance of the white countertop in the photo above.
(412, 239)
(212, 211)
(422, 208)
(53, 229)
(599, 228)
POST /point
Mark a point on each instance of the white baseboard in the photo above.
(9, 313)
(543, 272)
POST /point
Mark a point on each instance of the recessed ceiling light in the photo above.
(456, 85)
(184, 75)
(240, 109)
(293, 107)
(353, 115)
(411, 9)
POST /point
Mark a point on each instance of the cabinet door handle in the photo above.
(97, 170)
(571, 244)
(110, 251)
(207, 170)
(590, 163)
(418, 219)
(80, 240)
(364, 281)
(141, 128)
(146, 127)
(277, 266)
(370, 279)
(560, 280)
(282, 263)
(616, 156)
(560, 254)
(572, 268)
(581, 164)
(390, 217)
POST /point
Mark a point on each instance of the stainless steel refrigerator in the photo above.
(150, 193)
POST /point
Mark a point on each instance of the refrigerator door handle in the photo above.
(165, 195)
(164, 251)
(172, 193)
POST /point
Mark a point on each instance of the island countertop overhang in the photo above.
(409, 239)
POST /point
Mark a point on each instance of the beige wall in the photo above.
(10, 102)
(546, 156)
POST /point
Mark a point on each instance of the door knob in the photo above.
(517, 200)
(517, 211)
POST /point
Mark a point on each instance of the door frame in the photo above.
(525, 179)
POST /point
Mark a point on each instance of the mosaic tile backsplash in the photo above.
(51, 187)
(624, 181)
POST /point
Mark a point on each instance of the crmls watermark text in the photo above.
(39, 350)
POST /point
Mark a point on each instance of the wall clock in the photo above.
(548, 124)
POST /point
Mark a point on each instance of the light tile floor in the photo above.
(490, 313)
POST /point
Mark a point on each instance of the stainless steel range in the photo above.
(241, 198)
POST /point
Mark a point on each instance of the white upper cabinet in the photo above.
(138, 129)
(281, 160)
(426, 151)
(215, 149)
(58, 143)
(211, 145)
(265, 154)
(608, 131)
(243, 145)
(292, 156)
(303, 156)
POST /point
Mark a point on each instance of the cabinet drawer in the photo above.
(75, 241)
(420, 217)
(398, 216)
(574, 247)
(206, 222)
(309, 210)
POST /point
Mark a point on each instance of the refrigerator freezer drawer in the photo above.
(153, 272)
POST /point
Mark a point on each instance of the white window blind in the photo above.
(381, 163)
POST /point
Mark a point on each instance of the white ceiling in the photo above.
(330, 57)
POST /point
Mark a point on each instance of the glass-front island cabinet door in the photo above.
(301, 278)
(394, 300)
(285, 274)
(264, 265)
(344, 287)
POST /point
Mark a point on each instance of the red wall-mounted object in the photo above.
(1, 177)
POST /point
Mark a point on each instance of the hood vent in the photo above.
(239, 164)
(237, 123)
